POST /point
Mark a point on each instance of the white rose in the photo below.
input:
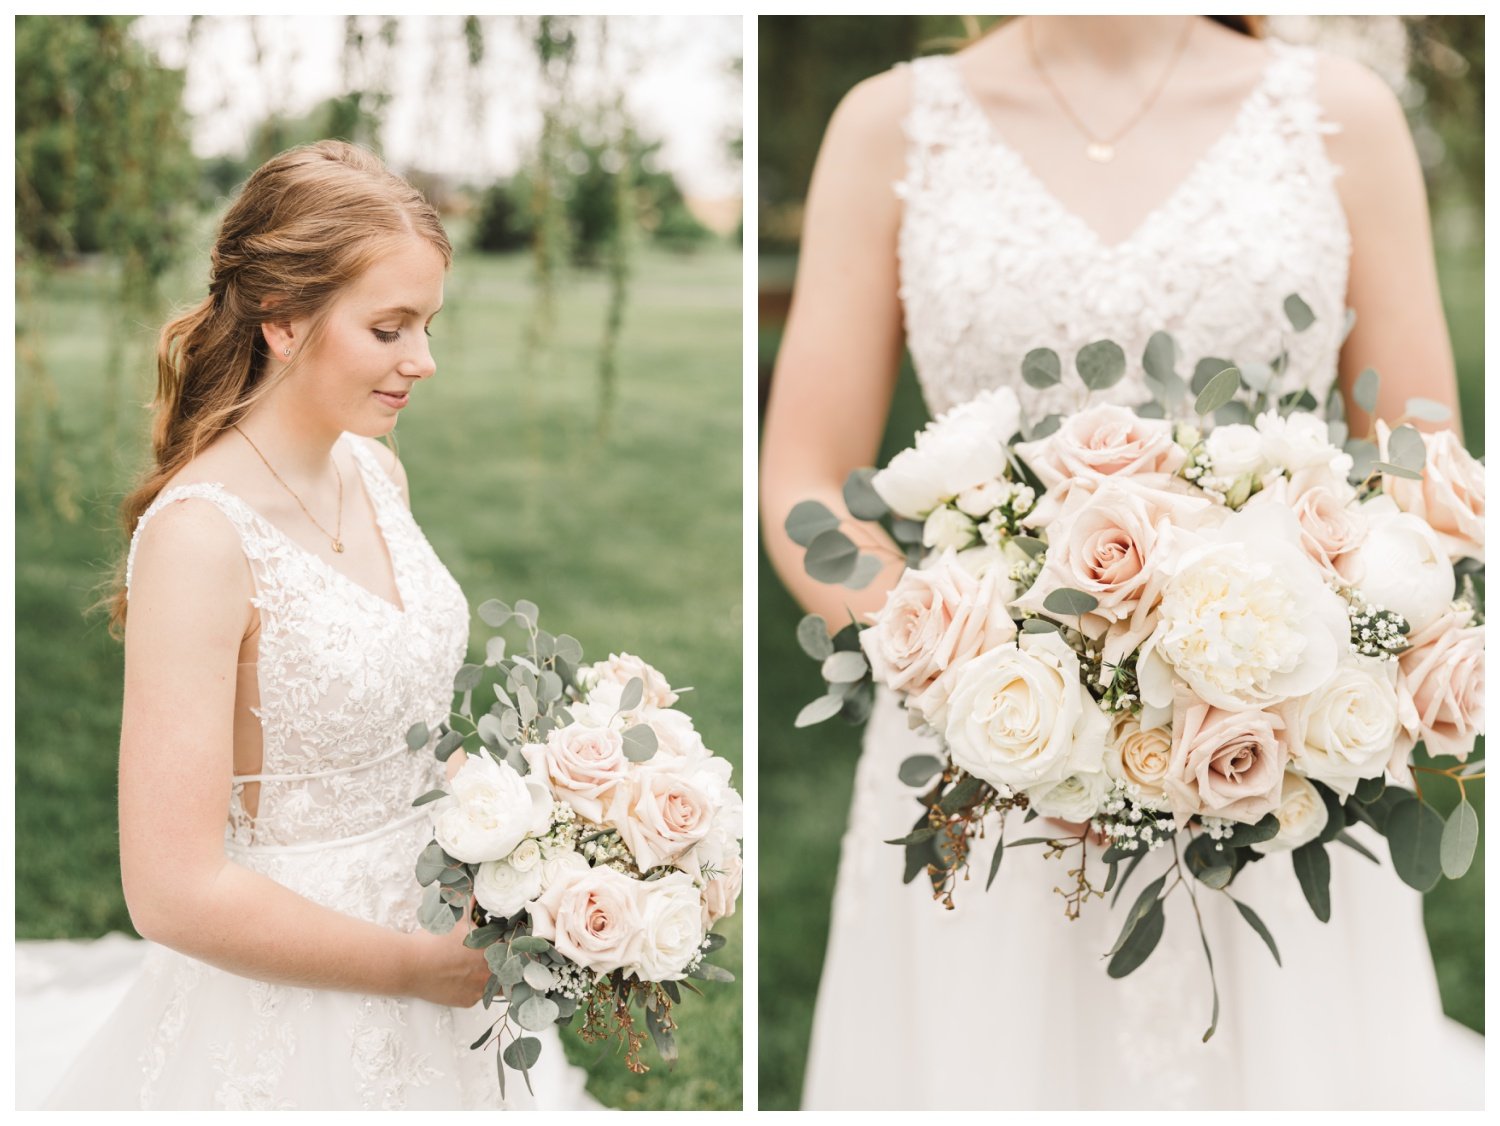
(1344, 730)
(671, 927)
(489, 811)
(947, 529)
(1019, 716)
(560, 863)
(1245, 618)
(1300, 441)
(592, 916)
(1103, 441)
(1075, 798)
(503, 889)
(622, 668)
(1450, 495)
(1402, 565)
(933, 621)
(1233, 449)
(675, 736)
(1302, 815)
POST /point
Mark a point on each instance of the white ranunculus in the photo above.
(1345, 729)
(1402, 564)
(981, 500)
(1076, 798)
(1302, 815)
(671, 928)
(489, 811)
(504, 889)
(1019, 715)
(1233, 449)
(1300, 441)
(947, 529)
(1245, 619)
(526, 855)
(1450, 495)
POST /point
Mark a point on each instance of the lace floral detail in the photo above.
(383, 1062)
(992, 265)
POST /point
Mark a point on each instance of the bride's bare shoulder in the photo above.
(1371, 123)
(872, 111)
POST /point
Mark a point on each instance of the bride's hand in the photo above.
(445, 971)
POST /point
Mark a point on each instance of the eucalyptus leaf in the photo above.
(1100, 364)
(1233, 413)
(1299, 400)
(1364, 455)
(1220, 389)
(1349, 320)
(1338, 432)
(1345, 838)
(523, 1052)
(449, 743)
(1262, 830)
(1204, 371)
(539, 977)
(661, 1036)
(866, 567)
(1258, 927)
(1213, 980)
(1209, 863)
(429, 796)
(1069, 602)
(536, 1013)
(918, 835)
(494, 613)
(808, 520)
(1369, 789)
(494, 650)
(1406, 448)
(1030, 545)
(961, 796)
(1460, 835)
(1150, 409)
(1428, 410)
(859, 698)
(1138, 910)
(434, 914)
(526, 703)
(640, 742)
(1039, 625)
(1046, 427)
(1160, 357)
(843, 667)
(707, 971)
(1390, 469)
(1041, 368)
(860, 497)
(481, 938)
(831, 557)
(907, 531)
(1367, 390)
(528, 612)
(1140, 942)
(918, 770)
(430, 863)
(632, 694)
(1298, 312)
(995, 860)
(531, 944)
(490, 732)
(417, 736)
(467, 678)
(1135, 862)
(569, 648)
(1310, 862)
(1415, 832)
(824, 707)
(812, 635)
(1257, 377)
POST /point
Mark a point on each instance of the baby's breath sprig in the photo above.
(1377, 632)
(1131, 825)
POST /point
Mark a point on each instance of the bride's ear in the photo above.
(279, 335)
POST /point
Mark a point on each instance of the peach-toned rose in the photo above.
(722, 892)
(1333, 525)
(1103, 441)
(660, 815)
(1442, 676)
(1302, 816)
(1224, 764)
(622, 668)
(593, 917)
(932, 622)
(1450, 495)
(583, 764)
(1139, 758)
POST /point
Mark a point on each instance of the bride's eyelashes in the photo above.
(391, 336)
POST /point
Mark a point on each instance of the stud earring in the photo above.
(287, 352)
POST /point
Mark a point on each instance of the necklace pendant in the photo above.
(1100, 153)
(338, 546)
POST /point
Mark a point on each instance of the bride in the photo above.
(1059, 181)
(287, 624)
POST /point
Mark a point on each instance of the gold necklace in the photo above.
(337, 537)
(1101, 150)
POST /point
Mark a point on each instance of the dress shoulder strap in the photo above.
(1296, 114)
(239, 514)
(378, 481)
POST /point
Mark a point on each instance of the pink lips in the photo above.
(394, 401)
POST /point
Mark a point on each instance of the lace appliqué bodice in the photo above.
(992, 265)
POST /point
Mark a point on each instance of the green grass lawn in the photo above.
(629, 540)
(806, 776)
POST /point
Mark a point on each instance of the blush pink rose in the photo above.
(622, 668)
(1450, 495)
(593, 916)
(722, 892)
(660, 815)
(1442, 676)
(1334, 526)
(582, 764)
(1103, 441)
(933, 621)
(1224, 763)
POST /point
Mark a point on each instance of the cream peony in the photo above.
(1020, 717)
(1301, 813)
(592, 916)
(1226, 764)
(933, 621)
(1450, 495)
(622, 668)
(1245, 618)
(1401, 564)
(582, 764)
(1138, 759)
(490, 809)
(671, 928)
(1103, 441)
(1344, 730)
(1442, 677)
(961, 450)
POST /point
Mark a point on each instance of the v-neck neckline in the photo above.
(380, 530)
(1205, 160)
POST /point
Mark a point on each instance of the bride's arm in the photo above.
(189, 610)
(1399, 328)
(841, 352)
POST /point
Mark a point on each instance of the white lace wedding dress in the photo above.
(342, 674)
(1002, 1003)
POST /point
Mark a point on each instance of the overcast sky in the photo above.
(675, 71)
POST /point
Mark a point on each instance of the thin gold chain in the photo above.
(337, 538)
(1161, 84)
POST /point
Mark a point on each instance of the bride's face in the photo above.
(373, 348)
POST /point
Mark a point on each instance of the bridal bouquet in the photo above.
(1212, 625)
(594, 834)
